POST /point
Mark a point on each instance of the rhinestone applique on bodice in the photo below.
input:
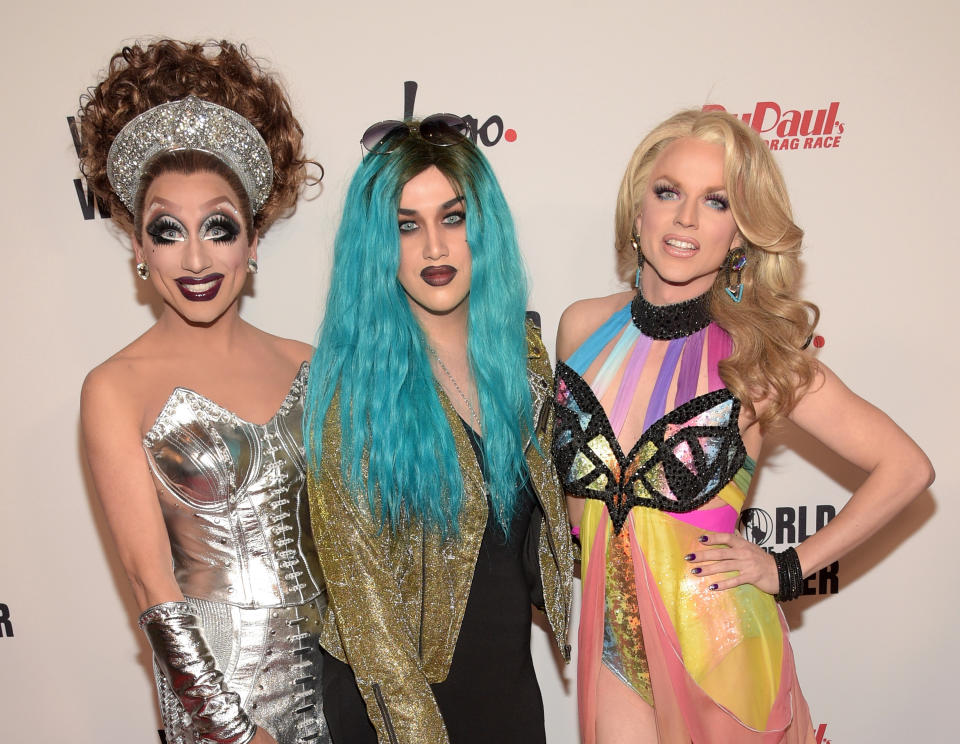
(234, 499)
(684, 456)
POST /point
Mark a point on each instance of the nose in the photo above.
(686, 213)
(435, 246)
(196, 255)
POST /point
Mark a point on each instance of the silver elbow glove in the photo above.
(182, 653)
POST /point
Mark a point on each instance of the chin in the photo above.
(683, 276)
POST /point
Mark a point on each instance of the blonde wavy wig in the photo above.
(771, 326)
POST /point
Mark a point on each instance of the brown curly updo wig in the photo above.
(142, 76)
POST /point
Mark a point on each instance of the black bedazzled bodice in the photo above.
(678, 464)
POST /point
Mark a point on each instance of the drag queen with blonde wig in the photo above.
(663, 396)
(435, 504)
(193, 431)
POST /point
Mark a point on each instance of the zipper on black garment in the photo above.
(378, 694)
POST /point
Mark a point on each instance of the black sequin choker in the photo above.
(665, 322)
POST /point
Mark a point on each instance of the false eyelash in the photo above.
(231, 228)
(160, 225)
(663, 188)
(719, 198)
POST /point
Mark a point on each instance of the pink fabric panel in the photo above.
(684, 712)
(721, 519)
(719, 346)
(590, 637)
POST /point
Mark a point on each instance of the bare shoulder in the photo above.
(111, 397)
(298, 351)
(583, 317)
(295, 352)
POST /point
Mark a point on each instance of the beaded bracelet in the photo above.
(789, 574)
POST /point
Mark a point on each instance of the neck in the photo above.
(660, 292)
(216, 338)
(447, 332)
(669, 321)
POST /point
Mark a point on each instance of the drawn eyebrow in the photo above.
(445, 205)
(217, 200)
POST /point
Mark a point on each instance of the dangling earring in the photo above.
(736, 260)
(635, 242)
(252, 266)
(143, 271)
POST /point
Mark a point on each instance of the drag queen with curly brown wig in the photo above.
(193, 431)
(663, 397)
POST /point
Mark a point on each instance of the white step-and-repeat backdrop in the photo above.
(859, 99)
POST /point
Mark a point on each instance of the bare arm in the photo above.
(110, 417)
(897, 472)
(577, 322)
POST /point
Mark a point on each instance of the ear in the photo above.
(254, 244)
(137, 248)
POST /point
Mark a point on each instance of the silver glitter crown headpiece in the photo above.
(190, 124)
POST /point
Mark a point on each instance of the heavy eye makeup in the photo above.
(454, 219)
(219, 228)
(406, 225)
(164, 230)
(666, 191)
(717, 201)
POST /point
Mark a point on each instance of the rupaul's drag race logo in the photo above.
(793, 129)
(790, 526)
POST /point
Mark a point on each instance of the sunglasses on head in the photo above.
(442, 130)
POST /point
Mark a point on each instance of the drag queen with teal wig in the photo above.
(435, 507)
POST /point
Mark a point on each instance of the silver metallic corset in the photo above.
(234, 499)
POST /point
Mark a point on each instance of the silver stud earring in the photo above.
(252, 266)
(143, 271)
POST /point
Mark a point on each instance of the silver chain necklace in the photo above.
(473, 414)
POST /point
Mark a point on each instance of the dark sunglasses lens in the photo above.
(443, 129)
(382, 136)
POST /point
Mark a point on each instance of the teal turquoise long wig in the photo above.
(397, 447)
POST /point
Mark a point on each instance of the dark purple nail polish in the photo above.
(689, 556)
(714, 587)
(703, 538)
(696, 570)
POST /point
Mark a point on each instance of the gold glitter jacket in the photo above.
(397, 599)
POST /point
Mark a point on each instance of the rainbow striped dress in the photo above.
(716, 666)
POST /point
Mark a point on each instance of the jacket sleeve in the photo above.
(377, 640)
(555, 547)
